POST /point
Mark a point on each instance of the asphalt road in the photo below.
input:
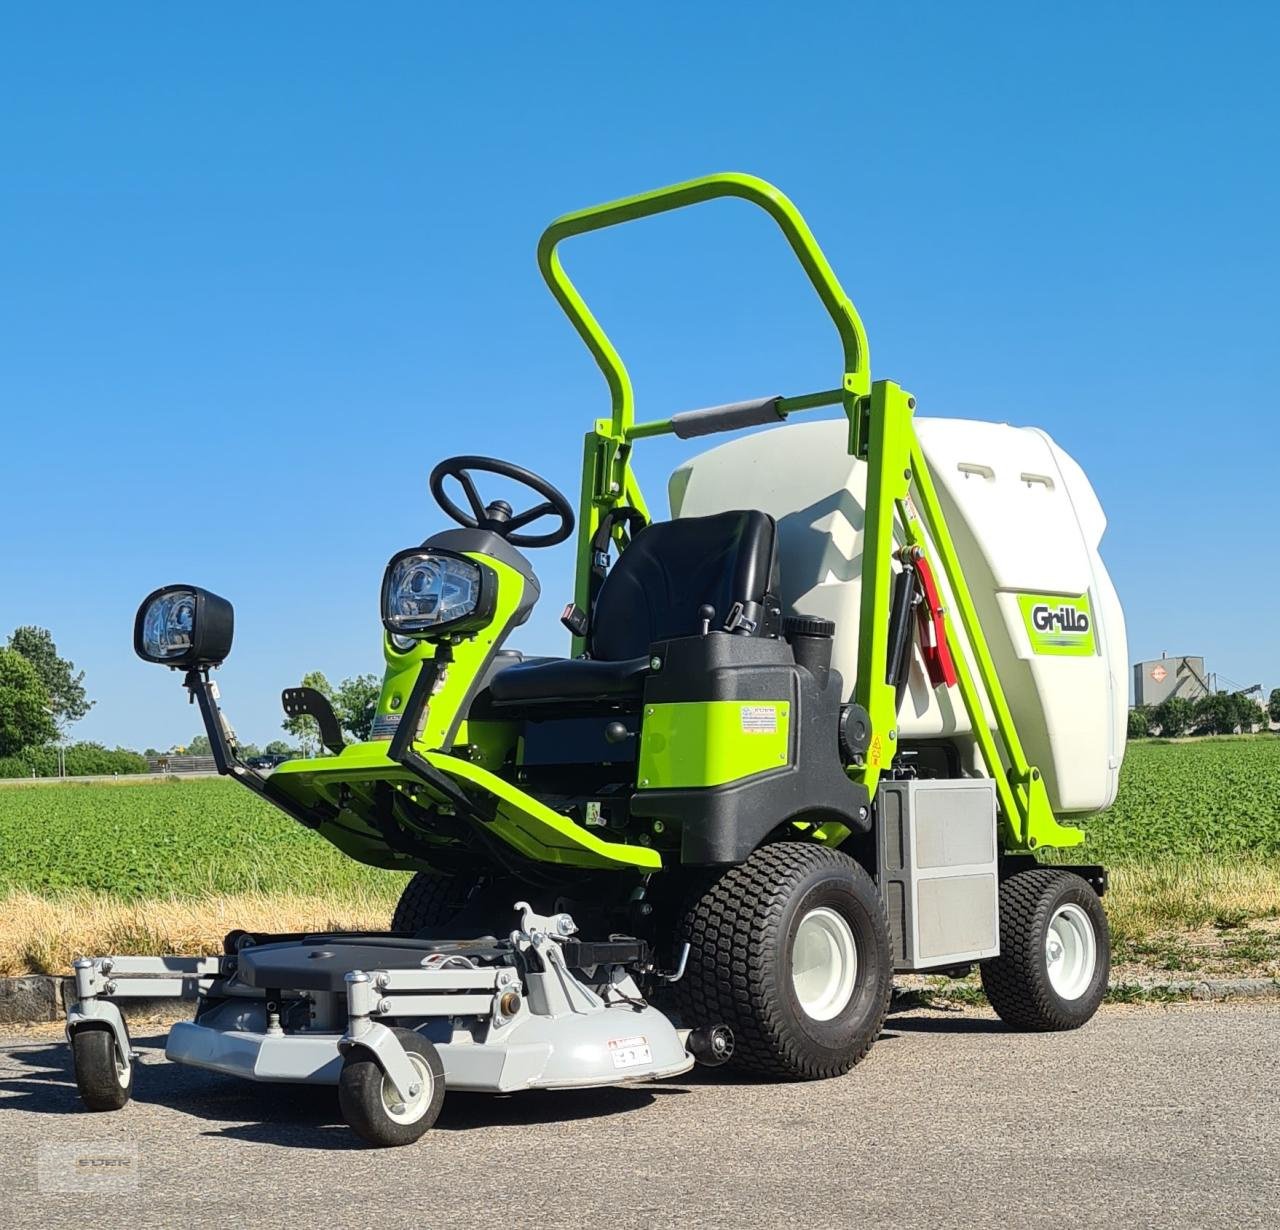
(1152, 1116)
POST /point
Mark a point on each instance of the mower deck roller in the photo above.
(813, 729)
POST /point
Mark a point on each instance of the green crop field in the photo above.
(1202, 797)
(1211, 797)
(172, 838)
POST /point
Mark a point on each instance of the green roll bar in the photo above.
(880, 431)
(853, 337)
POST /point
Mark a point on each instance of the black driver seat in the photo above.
(727, 561)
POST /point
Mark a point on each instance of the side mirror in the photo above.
(183, 626)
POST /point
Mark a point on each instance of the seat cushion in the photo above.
(671, 569)
(568, 679)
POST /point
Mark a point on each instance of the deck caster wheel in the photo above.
(790, 950)
(372, 1107)
(1055, 952)
(104, 1080)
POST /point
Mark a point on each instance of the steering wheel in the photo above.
(498, 516)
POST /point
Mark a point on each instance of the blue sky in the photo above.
(261, 267)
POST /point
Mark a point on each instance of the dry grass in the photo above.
(43, 934)
(1165, 915)
(1185, 895)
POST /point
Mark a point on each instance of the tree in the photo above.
(356, 705)
(278, 747)
(1217, 714)
(1139, 721)
(26, 716)
(63, 683)
(1174, 716)
(1273, 705)
(303, 727)
(1249, 713)
(200, 746)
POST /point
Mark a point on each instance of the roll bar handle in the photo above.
(853, 337)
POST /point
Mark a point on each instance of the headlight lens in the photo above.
(169, 624)
(183, 626)
(425, 591)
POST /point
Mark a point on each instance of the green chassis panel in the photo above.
(527, 825)
(709, 743)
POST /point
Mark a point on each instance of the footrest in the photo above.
(307, 702)
(618, 950)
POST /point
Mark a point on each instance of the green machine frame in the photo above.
(900, 491)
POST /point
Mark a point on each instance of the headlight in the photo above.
(425, 592)
(183, 626)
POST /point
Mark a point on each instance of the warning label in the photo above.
(759, 719)
(384, 726)
(630, 1052)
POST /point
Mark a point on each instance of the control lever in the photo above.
(706, 614)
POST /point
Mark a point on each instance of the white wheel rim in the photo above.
(824, 964)
(1070, 951)
(415, 1108)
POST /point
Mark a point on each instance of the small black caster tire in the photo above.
(369, 1101)
(103, 1081)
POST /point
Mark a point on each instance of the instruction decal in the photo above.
(759, 719)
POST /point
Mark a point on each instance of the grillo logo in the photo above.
(1065, 619)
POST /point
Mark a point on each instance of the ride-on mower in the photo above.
(815, 728)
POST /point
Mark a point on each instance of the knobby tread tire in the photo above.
(733, 975)
(1017, 981)
(425, 902)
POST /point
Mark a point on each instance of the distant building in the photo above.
(1157, 680)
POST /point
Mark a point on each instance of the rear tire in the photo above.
(1055, 952)
(790, 950)
(369, 1102)
(103, 1081)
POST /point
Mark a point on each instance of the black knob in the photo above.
(706, 614)
(616, 732)
(855, 733)
(711, 1046)
(496, 514)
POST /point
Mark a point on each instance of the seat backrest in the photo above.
(671, 568)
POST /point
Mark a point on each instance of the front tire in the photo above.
(791, 951)
(427, 901)
(1055, 952)
(369, 1101)
(105, 1081)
